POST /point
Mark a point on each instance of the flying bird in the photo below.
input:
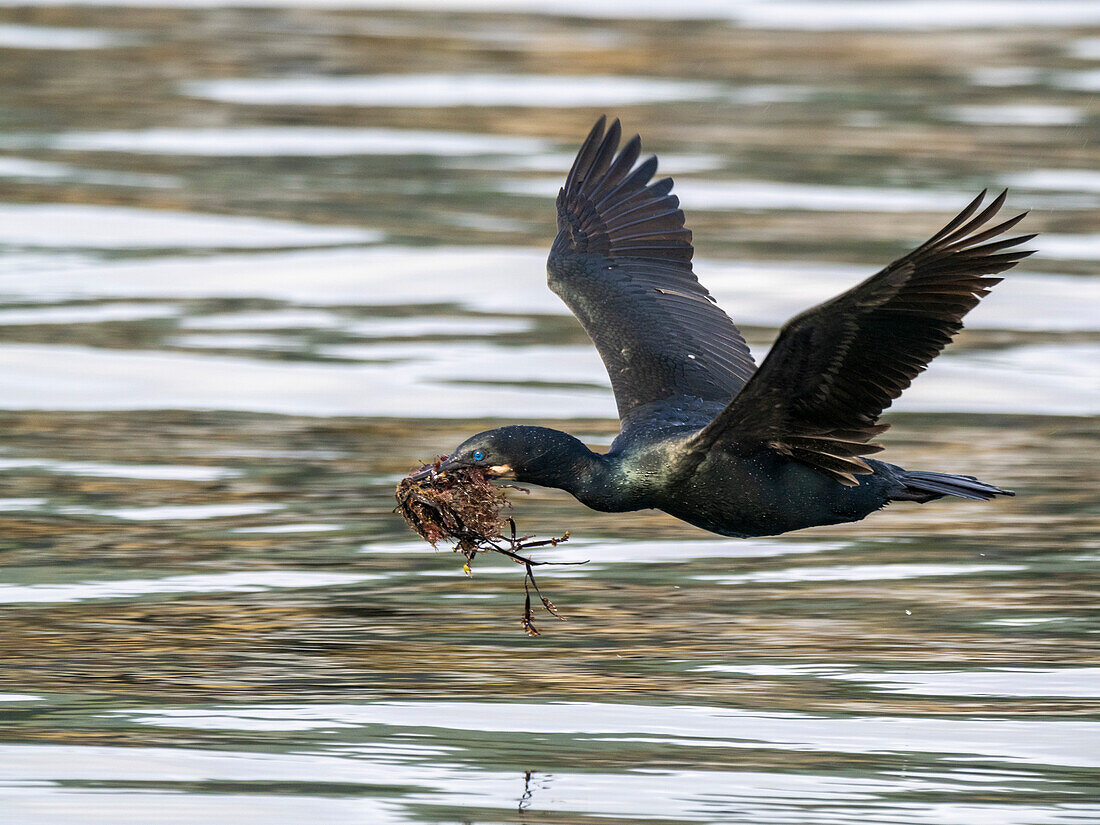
(707, 435)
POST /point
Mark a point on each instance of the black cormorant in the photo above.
(706, 435)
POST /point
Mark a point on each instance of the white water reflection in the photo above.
(1005, 682)
(1037, 303)
(1055, 377)
(474, 379)
(747, 195)
(1052, 742)
(734, 796)
(266, 319)
(379, 327)
(665, 552)
(18, 504)
(767, 293)
(280, 529)
(18, 36)
(511, 280)
(1006, 76)
(838, 15)
(479, 278)
(633, 552)
(148, 472)
(19, 763)
(422, 326)
(284, 141)
(784, 670)
(236, 341)
(1028, 621)
(88, 313)
(1087, 48)
(25, 169)
(11, 167)
(77, 378)
(1069, 682)
(1055, 180)
(437, 90)
(672, 163)
(118, 227)
(859, 572)
(1082, 247)
(755, 806)
(1020, 114)
(904, 15)
(35, 805)
(12, 261)
(243, 582)
(482, 361)
(1082, 81)
(186, 512)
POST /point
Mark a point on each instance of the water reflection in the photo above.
(256, 263)
(15, 36)
(455, 90)
(116, 227)
(214, 583)
(284, 141)
(1018, 115)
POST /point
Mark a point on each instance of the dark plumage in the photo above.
(706, 436)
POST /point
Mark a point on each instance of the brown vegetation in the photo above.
(466, 506)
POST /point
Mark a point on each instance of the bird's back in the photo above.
(762, 493)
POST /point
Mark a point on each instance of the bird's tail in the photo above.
(920, 485)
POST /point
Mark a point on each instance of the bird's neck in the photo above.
(562, 461)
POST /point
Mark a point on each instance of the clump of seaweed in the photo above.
(466, 506)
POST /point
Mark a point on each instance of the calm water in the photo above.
(257, 263)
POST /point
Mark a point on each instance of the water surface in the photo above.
(256, 263)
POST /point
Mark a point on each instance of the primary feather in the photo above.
(836, 367)
(622, 263)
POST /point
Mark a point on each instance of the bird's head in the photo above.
(536, 455)
(493, 452)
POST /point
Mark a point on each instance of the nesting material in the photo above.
(465, 505)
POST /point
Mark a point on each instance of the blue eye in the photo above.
(478, 455)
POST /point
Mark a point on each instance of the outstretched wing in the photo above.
(622, 263)
(836, 367)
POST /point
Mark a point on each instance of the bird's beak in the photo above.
(423, 474)
(430, 471)
(497, 471)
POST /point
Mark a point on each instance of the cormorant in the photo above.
(706, 435)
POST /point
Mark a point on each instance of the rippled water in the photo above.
(256, 263)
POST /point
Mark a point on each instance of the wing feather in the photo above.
(622, 263)
(836, 367)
